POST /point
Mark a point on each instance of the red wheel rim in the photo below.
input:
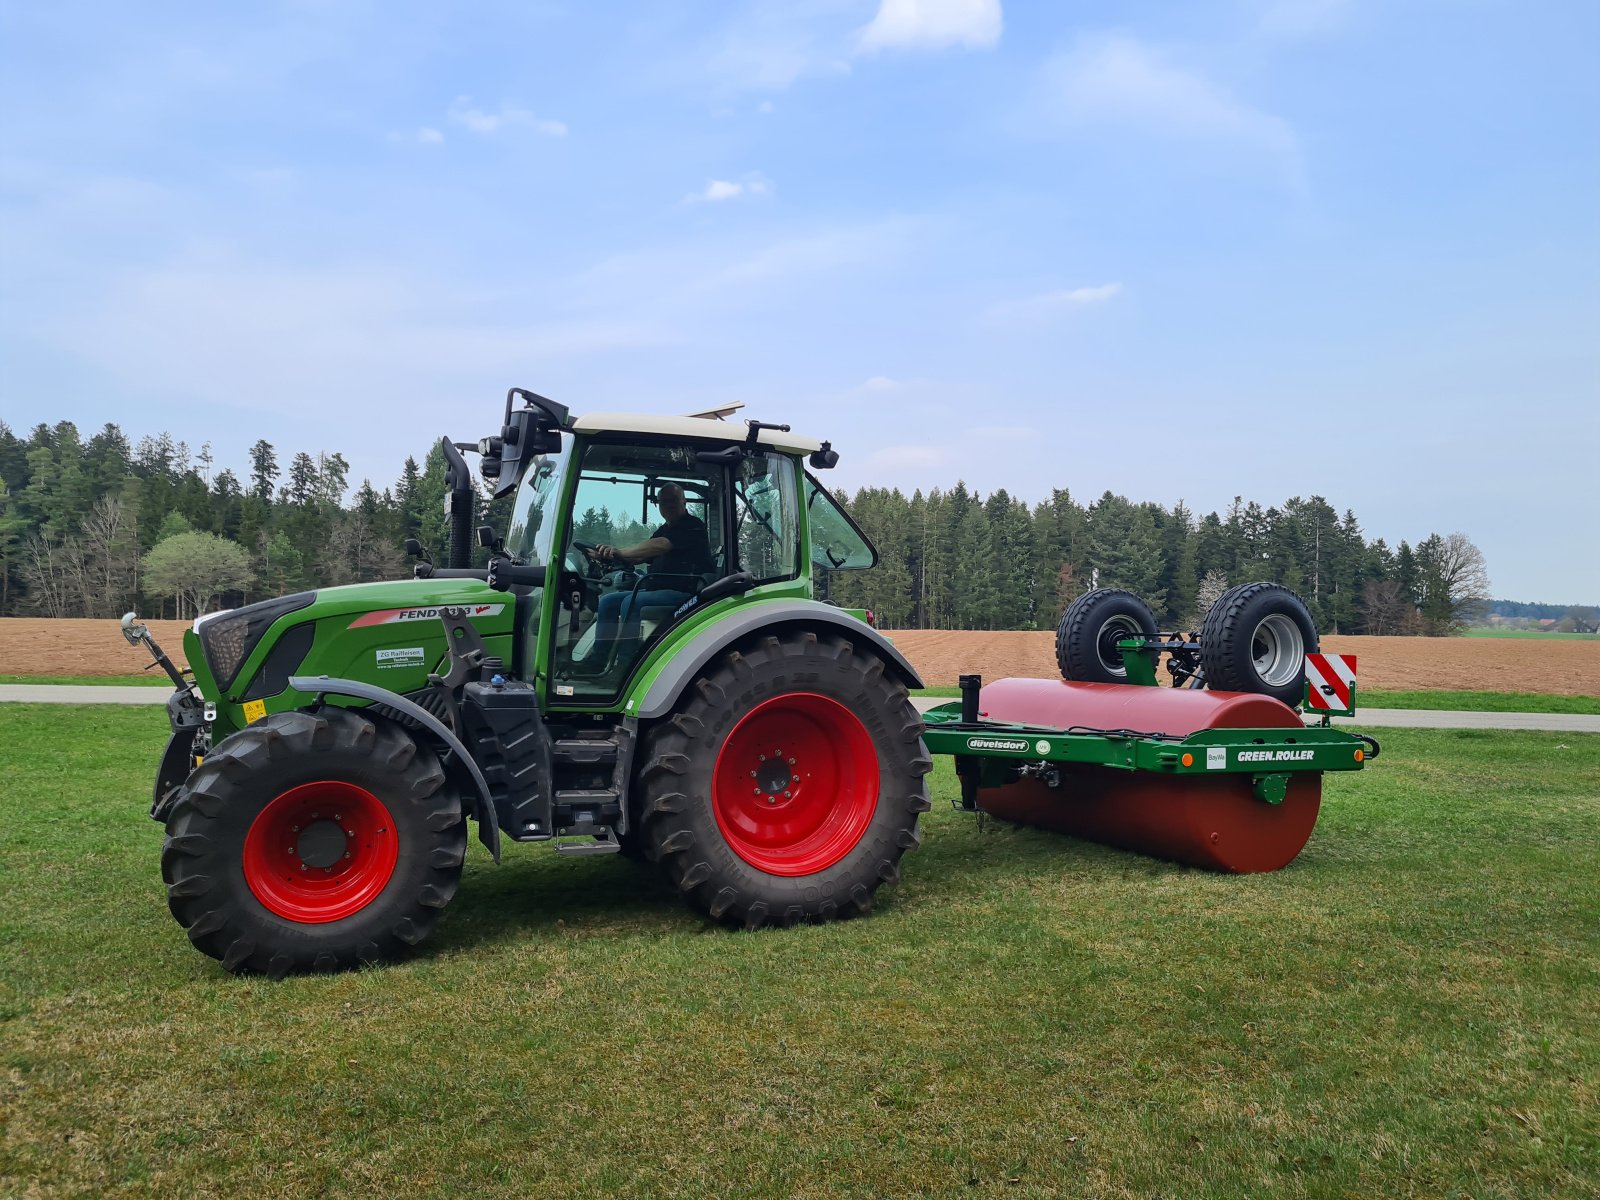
(796, 784)
(320, 852)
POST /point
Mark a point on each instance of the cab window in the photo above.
(768, 528)
(837, 543)
(668, 509)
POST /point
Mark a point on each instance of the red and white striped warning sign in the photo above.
(1330, 676)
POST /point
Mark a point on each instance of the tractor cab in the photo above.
(646, 526)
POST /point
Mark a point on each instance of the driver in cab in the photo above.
(678, 553)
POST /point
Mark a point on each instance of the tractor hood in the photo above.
(387, 633)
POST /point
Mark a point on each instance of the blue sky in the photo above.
(1177, 250)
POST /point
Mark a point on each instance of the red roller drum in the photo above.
(1207, 821)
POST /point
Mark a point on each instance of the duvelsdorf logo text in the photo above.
(993, 743)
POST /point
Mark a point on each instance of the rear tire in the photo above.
(313, 841)
(753, 833)
(1086, 638)
(1255, 638)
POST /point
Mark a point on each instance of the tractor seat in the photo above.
(654, 614)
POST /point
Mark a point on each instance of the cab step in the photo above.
(603, 840)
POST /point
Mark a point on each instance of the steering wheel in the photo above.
(579, 562)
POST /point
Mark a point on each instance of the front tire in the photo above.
(787, 785)
(313, 841)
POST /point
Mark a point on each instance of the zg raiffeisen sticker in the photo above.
(410, 656)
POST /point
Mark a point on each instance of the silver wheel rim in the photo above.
(1112, 631)
(1278, 650)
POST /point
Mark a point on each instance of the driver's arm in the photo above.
(641, 552)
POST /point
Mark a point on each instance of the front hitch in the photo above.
(189, 713)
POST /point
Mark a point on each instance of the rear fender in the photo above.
(689, 658)
(484, 811)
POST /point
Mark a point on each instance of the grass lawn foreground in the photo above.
(1409, 1009)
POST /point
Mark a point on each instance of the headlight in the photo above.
(229, 637)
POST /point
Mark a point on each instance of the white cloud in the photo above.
(1050, 304)
(933, 25)
(754, 184)
(429, 136)
(483, 123)
(881, 383)
(1117, 80)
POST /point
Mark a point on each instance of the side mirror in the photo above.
(526, 433)
(413, 547)
(825, 458)
(489, 539)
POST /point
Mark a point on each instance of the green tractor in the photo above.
(641, 668)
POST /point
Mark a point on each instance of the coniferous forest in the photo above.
(93, 527)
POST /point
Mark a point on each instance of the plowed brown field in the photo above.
(36, 646)
(30, 646)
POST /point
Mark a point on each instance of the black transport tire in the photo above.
(274, 782)
(1086, 638)
(857, 768)
(1255, 638)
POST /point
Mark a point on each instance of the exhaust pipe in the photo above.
(459, 504)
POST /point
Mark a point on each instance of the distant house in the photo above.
(1547, 624)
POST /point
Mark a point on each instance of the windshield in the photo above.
(532, 519)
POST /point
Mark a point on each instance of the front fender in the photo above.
(689, 658)
(321, 685)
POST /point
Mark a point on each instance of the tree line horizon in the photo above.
(93, 527)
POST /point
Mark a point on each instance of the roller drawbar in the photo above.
(1225, 780)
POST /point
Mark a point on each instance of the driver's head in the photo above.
(669, 499)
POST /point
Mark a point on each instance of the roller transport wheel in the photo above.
(787, 784)
(1255, 638)
(1087, 637)
(313, 841)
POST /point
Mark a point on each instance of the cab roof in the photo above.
(703, 428)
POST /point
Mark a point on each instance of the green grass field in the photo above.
(1407, 1009)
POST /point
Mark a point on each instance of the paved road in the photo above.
(1371, 718)
(72, 693)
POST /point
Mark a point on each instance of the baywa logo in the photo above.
(1016, 745)
(1276, 755)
